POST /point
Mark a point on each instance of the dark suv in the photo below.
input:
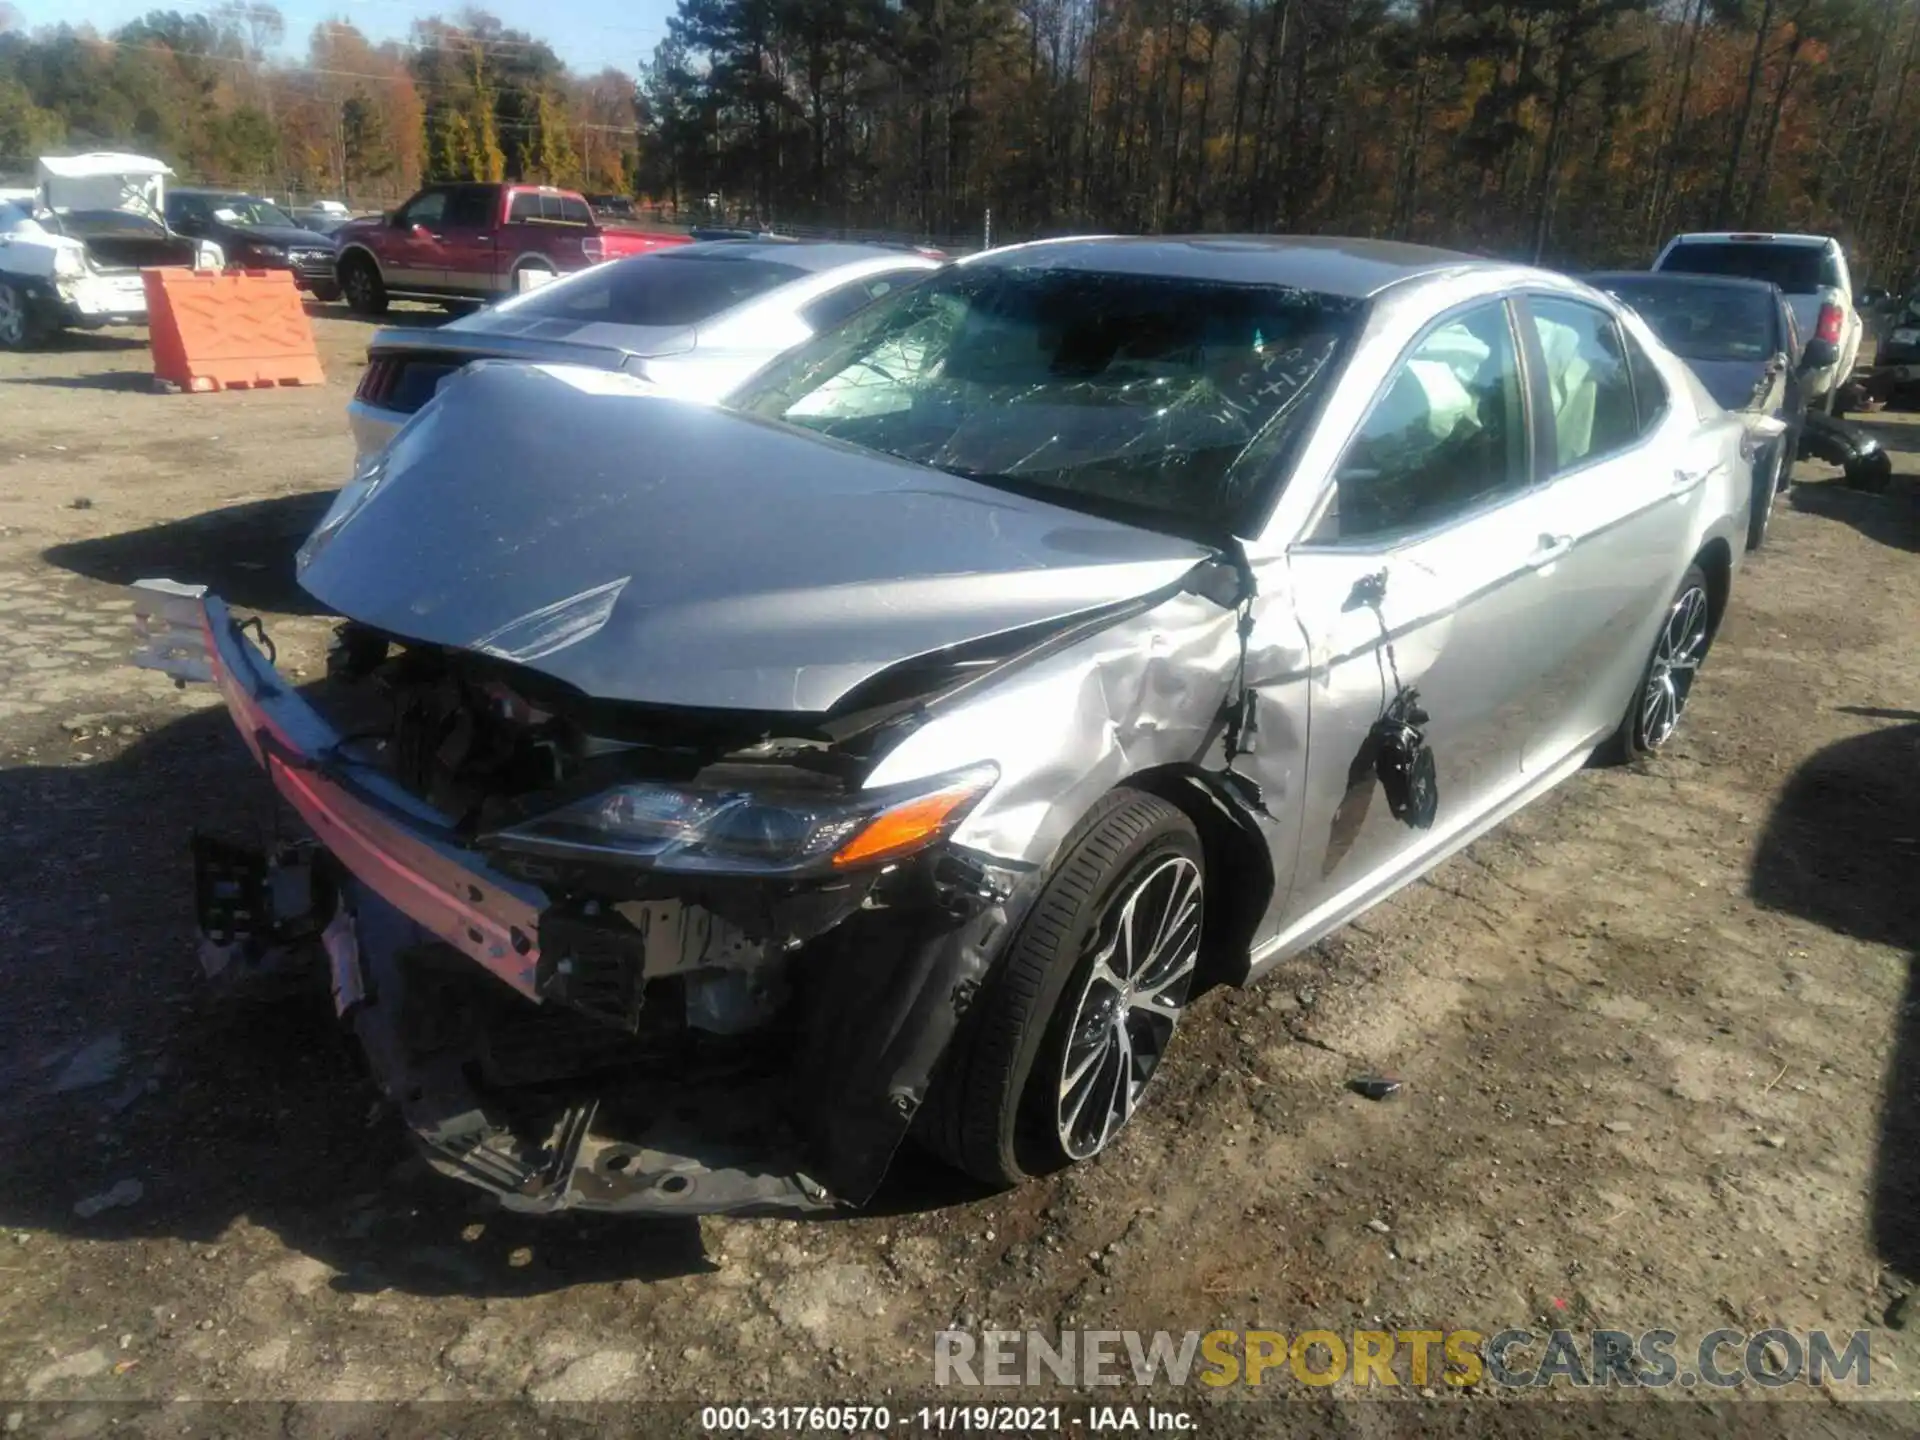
(256, 235)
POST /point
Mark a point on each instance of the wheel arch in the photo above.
(357, 252)
(1715, 558)
(1240, 879)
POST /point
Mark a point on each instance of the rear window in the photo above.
(1699, 321)
(532, 206)
(659, 289)
(1796, 269)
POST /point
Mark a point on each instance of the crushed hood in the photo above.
(645, 549)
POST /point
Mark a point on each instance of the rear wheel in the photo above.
(1052, 1060)
(360, 283)
(529, 269)
(1667, 681)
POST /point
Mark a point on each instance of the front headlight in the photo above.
(277, 254)
(753, 832)
(69, 264)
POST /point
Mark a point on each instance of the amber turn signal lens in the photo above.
(905, 827)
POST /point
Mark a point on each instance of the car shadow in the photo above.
(1839, 849)
(119, 1067)
(244, 553)
(128, 381)
(94, 340)
(1891, 518)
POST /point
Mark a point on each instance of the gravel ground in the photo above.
(1659, 1035)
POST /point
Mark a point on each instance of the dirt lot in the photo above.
(1660, 1035)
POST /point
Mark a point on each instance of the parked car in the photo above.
(476, 241)
(618, 205)
(1896, 363)
(256, 235)
(901, 745)
(1741, 339)
(72, 255)
(693, 321)
(1811, 270)
(323, 217)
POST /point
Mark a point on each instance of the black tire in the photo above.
(360, 282)
(1871, 473)
(22, 325)
(325, 293)
(1637, 734)
(992, 1108)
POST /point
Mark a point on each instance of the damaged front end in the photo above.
(743, 967)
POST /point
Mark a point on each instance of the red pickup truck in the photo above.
(475, 241)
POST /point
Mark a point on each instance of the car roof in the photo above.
(812, 256)
(208, 193)
(1676, 279)
(1752, 237)
(1325, 264)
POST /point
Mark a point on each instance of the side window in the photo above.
(525, 207)
(470, 208)
(1649, 390)
(1449, 432)
(426, 209)
(574, 211)
(1587, 381)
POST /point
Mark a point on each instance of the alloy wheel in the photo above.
(1676, 661)
(1144, 951)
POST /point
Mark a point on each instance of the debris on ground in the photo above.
(1375, 1087)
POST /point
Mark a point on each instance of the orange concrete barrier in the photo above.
(238, 330)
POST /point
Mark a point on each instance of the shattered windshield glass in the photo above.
(1169, 399)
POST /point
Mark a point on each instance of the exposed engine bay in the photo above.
(701, 1042)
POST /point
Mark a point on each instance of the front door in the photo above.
(416, 253)
(468, 240)
(1415, 578)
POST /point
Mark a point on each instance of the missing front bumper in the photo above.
(436, 964)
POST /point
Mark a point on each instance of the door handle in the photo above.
(1685, 481)
(1550, 549)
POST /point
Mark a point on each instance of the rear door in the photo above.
(468, 237)
(1612, 521)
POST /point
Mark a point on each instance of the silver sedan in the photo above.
(693, 320)
(900, 746)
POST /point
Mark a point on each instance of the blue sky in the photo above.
(588, 34)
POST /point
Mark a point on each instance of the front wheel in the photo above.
(360, 283)
(325, 293)
(1053, 1058)
(21, 327)
(1667, 681)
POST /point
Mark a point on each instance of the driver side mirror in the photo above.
(1818, 355)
